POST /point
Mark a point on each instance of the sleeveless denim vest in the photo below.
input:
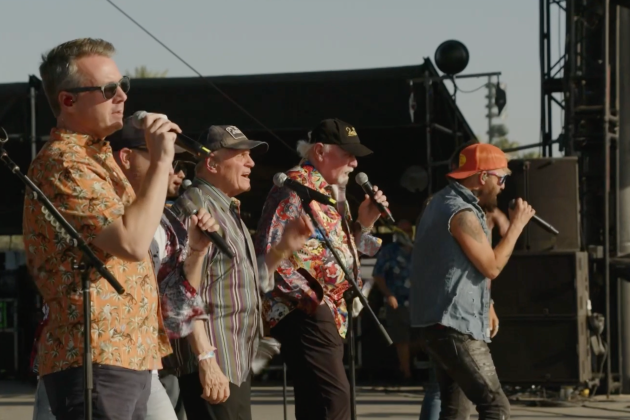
(446, 288)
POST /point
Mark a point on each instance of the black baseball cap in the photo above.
(130, 137)
(229, 137)
(340, 133)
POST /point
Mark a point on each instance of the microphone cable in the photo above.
(212, 85)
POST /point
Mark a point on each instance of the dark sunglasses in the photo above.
(502, 178)
(178, 165)
(109, 90)
(182, 166)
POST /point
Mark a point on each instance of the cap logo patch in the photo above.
(235, 132)
(462, 160)
(351, 132)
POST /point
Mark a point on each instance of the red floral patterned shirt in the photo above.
(312, 274)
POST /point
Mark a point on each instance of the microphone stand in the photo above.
(348, 296)
(88, 262)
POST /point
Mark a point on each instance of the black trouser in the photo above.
(118, 393)
(237, 407)
(465, 372)
(313, 351)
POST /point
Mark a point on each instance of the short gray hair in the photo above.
(304, 148)
(59, 71)
(217, 157)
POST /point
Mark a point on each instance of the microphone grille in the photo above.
(187, 183)
(279, 178)
(361, 178)
(187, 206)
(137, 117)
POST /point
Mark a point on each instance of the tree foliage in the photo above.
(504, 143)
(143, 72)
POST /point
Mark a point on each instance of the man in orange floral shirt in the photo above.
(77, 172)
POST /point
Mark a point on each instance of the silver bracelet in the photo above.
(366, 230)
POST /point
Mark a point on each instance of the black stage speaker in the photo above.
(541, 300)
(550, 185)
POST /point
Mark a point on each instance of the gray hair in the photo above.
(304, 147)
(59, 70)
(217, 157)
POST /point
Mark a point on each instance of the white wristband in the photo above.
(206, 355)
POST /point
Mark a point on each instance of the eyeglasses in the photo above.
(502, 178)
(109, 90)
(182, 166)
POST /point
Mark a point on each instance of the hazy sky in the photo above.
(272, 36)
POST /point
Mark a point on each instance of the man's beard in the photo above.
(489, 204)
(343, 180)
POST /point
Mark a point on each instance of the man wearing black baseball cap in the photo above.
(216, 360)
(178, 272)
(132, 139)
(306, 310)
(342, 134)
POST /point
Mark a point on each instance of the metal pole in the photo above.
(16, 350)
(284, 390)
(622, 102)
(543, 75)
(547, 138)
(459, 76)
(353, 382)
(609, 381)
(427, 123)
(489, 106)
(33, 98)
(88, 382)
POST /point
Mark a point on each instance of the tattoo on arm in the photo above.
(469, 224)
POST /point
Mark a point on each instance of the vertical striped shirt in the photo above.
(230, 288)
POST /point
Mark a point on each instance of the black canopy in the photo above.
(375, 101)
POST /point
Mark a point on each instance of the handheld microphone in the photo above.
(191, 146)
(189, 209)
(362, 180)
(537, 219)
(185, 185)
(282, 180)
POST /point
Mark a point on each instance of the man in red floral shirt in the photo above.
(306, 309)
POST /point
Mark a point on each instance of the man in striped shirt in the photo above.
(215, 360)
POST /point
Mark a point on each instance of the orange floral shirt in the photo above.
(79, 176)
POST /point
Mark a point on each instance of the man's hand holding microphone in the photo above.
(520, 213)
(160, 135)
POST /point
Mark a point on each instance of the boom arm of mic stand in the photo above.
(356, 291)
(89, 257)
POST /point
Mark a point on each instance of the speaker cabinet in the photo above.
(550, 185)
(541, 284)
(541, 300)
(542, 350)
